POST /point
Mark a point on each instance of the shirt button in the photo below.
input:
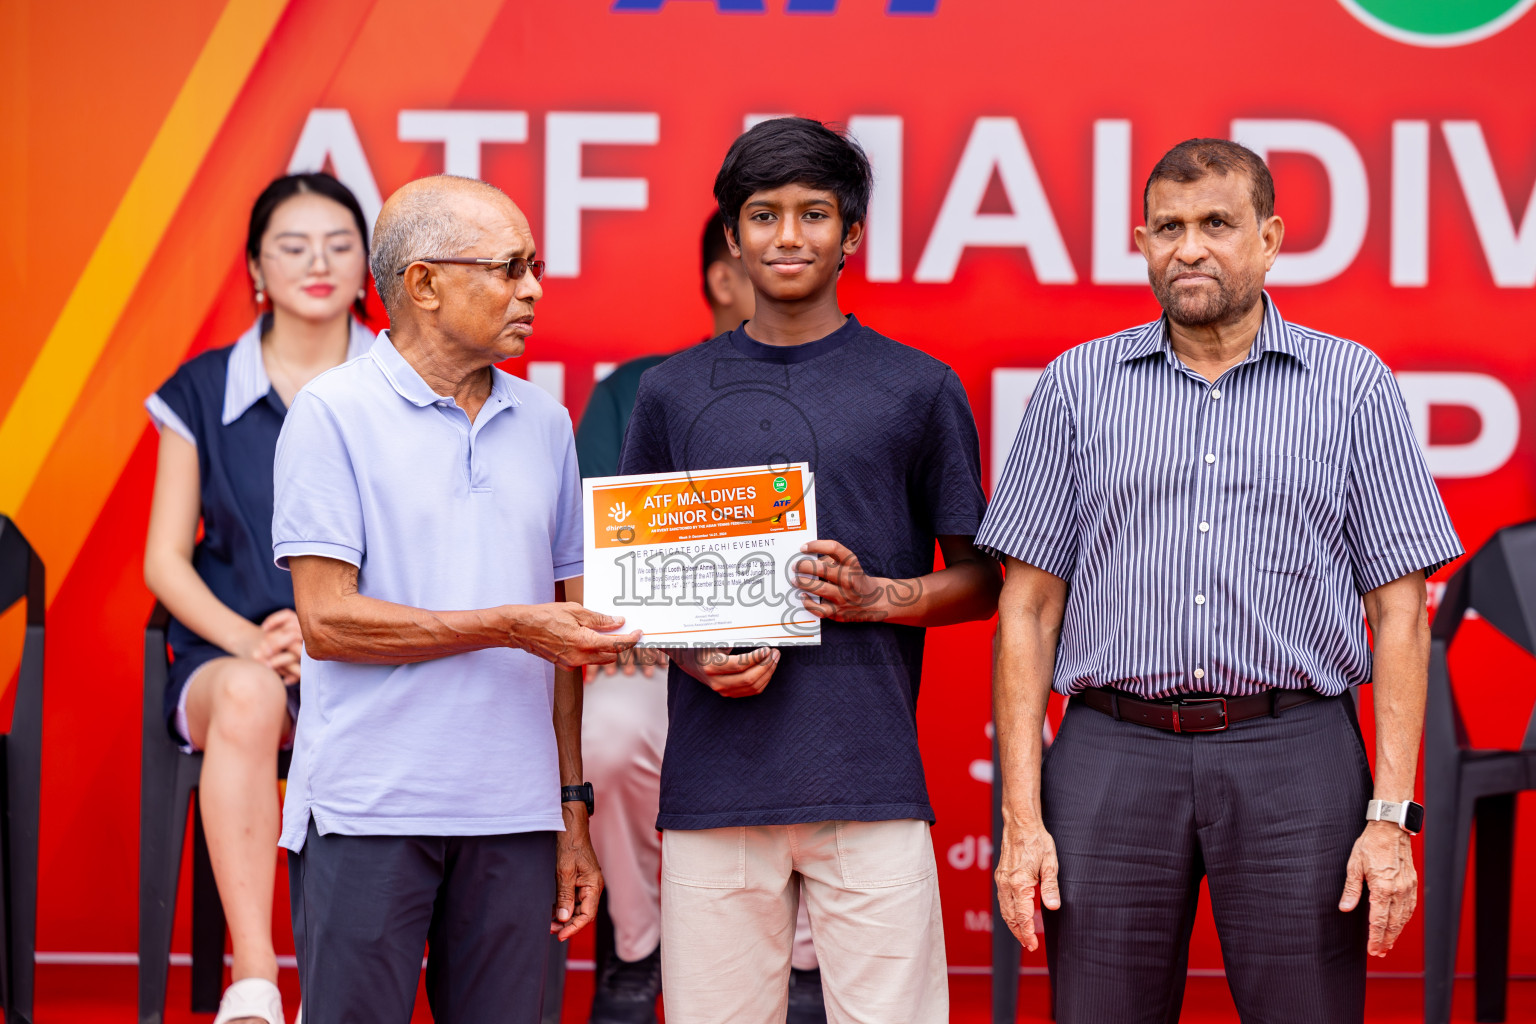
(1199, 599)
(1199, 673)
(1210, 457)
(1205, 527)
(1215, 392)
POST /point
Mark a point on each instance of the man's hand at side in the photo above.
(1026, 867)
(1029, 625)
(729, 675)
(578, 879)
(1382, 861)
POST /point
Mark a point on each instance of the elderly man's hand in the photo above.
(1026, 868)
(568, 634)
(578, 879)
(1382, 862)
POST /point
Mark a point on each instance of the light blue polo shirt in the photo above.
(375, 469)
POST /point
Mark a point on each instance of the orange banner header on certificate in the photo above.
(699, 506)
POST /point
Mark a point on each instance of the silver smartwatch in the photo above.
(1407, 815)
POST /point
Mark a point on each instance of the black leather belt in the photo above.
(1193, 714)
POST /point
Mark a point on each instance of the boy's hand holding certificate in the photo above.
(702, 559)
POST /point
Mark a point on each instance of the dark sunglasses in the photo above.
(517, 266)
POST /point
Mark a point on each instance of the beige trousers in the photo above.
(729, 898)
(623, 734)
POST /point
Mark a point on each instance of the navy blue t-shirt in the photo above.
(890, 436)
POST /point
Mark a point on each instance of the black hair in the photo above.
(714, 248)
(794, 151)
(290, 185)
(1193, 159)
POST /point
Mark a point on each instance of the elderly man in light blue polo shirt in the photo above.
(428, 506)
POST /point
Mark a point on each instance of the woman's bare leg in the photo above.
(237, 713)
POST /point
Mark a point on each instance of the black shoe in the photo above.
(805, 1001)
(627, 990)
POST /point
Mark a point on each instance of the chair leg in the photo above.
(1005, 968)
(162, 826)
(23, 758)
(1445, 875)
(1495, 870)
(604, 941)
(5, 902)
(208, 926)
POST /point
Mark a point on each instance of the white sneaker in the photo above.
(257, 998)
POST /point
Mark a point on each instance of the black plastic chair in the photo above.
(21, 577)
(1463, 784)
(168, 783)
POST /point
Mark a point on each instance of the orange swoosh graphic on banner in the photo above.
(80, 334)
(321, 54)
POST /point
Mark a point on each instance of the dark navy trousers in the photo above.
(1268, 811)
(366, 907)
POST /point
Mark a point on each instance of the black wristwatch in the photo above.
(578, 794)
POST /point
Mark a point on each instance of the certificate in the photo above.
(702, 559)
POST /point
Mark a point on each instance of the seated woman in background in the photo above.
(233, 691)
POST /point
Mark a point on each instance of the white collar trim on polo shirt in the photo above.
(246, 381)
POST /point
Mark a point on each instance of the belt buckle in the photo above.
(1178, 706)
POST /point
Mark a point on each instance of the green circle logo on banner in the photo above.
(1438, 22)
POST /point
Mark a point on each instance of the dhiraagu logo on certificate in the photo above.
(1438, 22)
(705, 558)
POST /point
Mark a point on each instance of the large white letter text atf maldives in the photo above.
(996, 144)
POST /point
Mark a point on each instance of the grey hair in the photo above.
(418, 224)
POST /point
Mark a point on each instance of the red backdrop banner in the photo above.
(1010, 142)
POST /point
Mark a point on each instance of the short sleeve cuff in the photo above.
(1381, 571)
(569, 570)
(1027, 550)
(165, 418)
(957, 526)
(341, 552)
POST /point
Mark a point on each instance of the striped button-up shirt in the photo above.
(1217, 536)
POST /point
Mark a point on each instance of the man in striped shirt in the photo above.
(1192, 516)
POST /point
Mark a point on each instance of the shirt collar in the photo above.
(1275, 335)
(402, 376)
(246, 381)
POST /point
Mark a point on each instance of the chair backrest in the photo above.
(1499, 581)
(21, 577)
(21, 572)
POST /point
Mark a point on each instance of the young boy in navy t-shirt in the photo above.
(794, 773)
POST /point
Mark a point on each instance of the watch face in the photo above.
(1413, 817)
